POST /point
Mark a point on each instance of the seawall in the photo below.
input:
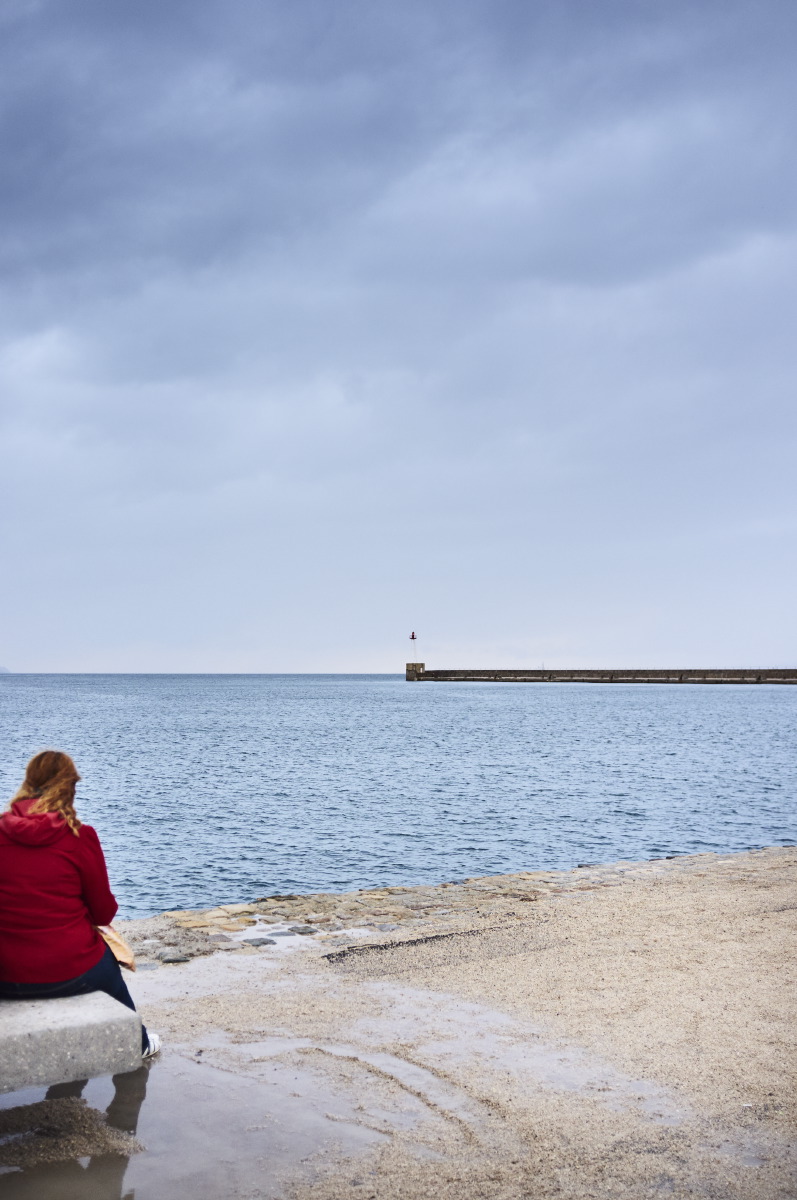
(417, 673)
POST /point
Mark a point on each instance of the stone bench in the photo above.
(55, 1041)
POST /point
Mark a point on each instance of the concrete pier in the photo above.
(417, 673)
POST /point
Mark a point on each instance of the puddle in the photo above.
(221, 1120)
(224, 1118)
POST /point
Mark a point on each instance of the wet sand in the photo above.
(616, 1031)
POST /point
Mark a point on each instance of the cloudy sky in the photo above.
(321, 322)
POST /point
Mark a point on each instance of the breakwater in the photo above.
(417, 673)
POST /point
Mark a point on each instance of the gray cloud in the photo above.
(330, 320)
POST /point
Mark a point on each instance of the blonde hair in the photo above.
(51, 777)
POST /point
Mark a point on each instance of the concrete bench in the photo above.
(56, 1041)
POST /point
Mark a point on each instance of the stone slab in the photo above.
(56, 1041)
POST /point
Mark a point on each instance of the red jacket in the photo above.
(53, 891)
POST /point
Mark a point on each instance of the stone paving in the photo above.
(390, 914)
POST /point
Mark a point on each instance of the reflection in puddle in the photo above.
(59, 1149)
(230, 1118)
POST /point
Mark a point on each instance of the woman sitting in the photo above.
(54, 892)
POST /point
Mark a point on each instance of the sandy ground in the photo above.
(614, 1031)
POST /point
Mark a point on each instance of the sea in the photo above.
(208, 789)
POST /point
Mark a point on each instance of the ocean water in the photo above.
(214, 788)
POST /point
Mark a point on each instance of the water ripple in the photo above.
(214, 788)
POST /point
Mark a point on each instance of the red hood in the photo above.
(40, 829)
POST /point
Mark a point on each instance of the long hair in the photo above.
(51, 777)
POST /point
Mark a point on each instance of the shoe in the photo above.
(153, 1046)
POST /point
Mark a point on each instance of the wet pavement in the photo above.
(221, 1117)
(310, 1066)
(228, 1118)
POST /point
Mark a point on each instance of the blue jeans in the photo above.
(106, 976)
